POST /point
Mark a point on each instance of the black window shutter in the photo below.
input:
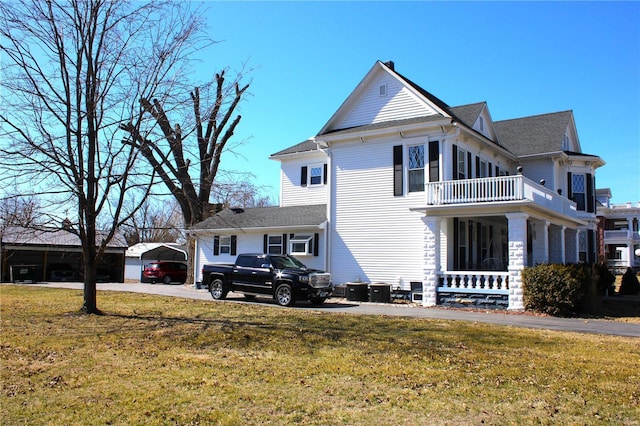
(397, 170)
(469, 171)
(477, 166)
(216, 245)
(303, 176)
(285, 249)
(325, 174)
(497, 171)
(489, 167)
(265, 244)
(591, 201)
(434, 161)
(569, 186)
(591, 241)
(455, 162)
(234, 243)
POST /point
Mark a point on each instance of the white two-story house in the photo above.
(400, 188)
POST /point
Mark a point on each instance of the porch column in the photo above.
(540, 243)
(571, 246)
(517, 257)
(431, 265)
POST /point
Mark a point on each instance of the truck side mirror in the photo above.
(266, 266)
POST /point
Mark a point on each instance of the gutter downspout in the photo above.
(324, 147)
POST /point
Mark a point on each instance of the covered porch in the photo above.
(479, 234)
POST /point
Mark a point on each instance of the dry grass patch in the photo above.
(159, 360)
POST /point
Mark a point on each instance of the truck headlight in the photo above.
(304, 278)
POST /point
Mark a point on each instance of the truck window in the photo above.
(245, 261)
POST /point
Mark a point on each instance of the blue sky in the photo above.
(521, 58)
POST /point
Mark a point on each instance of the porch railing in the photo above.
(479, 282)
(493, 189)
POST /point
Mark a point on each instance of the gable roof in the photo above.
(416, 101)
(266, 217)
(537, 134)
(468, 114)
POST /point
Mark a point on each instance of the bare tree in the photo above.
(241, 193)
(170, 154)
(154, 222)
(73, 71)
(186, 154)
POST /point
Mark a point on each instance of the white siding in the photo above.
(253, 243)
(398, 103)
(376, 238)
(542, 169)
(291, 192)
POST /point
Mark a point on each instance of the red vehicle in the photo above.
(166, 272)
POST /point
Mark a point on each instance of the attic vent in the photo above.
(383, 90)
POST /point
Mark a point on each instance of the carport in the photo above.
(32, 255)
(143, 253)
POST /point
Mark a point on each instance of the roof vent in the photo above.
(237, 210)
(390, 65)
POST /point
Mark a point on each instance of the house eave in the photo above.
(499, 208)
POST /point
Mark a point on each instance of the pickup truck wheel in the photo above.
(217, 289)
(317, 300)
(166, 279)
(284, 295)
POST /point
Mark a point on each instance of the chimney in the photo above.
(390, 65)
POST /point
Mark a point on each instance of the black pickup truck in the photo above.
(282, 277)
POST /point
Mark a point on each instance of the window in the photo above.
(274, 244)
(383, 90)
(565, 143)
(462, 164)
(483, 169)
(481, 124)
(316, 175)
(416, 168)
(301, 245)
(225, 244)
(579, 190)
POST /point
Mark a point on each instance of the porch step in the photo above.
(470, 300)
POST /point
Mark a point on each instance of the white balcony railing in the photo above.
(495, 189)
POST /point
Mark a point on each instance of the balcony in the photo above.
(497, 189)
(622, 234)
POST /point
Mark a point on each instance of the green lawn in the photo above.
(160, 360)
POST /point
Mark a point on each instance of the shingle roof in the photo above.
(468, 114)
(533, 135)
(266, 217)
(308, 145)
(49, 237)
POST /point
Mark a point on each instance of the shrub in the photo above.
(606, 279)
(630, 284)
(554, 289)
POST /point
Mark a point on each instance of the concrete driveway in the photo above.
(579, 325)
